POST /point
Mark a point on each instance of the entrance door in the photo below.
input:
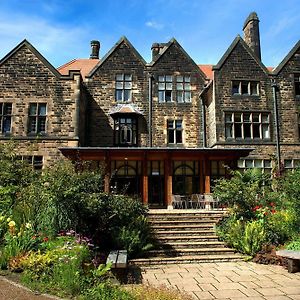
(156, 183)
(156, 190)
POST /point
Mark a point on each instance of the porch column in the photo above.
(206, 176)
(107, 174)
(201, 177)
(168, 183)
(145, 180)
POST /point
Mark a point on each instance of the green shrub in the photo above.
(294, 245)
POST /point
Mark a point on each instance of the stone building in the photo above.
(166, 127)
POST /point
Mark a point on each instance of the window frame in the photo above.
(245, 88)
(5, 114)
(119, 131)
(250, 163)
(165, 85)
(124, 80)
(185, 90)
(240, 127)
(37, 119)
(175, 133)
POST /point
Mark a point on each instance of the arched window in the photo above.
(125, 131)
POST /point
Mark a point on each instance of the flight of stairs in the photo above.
(186, 236)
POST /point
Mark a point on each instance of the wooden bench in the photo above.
(118, 259)
(293, 258)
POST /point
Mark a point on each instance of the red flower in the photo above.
(272, 204)
(34, 237)
(45, 239)
(273, 211)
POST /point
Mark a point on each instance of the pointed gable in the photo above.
(27, 48)
(239, 45)
(172, 52)
(129, 54)
(290, 56)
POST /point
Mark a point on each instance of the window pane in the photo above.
(119, 77)
(265, 118)
(187, 96)
(266, 132)
(228, 131)
(170, 124)
(187, 87)
(6, 124)
(119, 95)
(128, 85)
(161, 96)
(256, 133)
(119, 85)
(288, 163)
(168, 86)
(178, 136)
(267, 163)
(1, 107)
(244, 88)
(127, 95)
(258, 163)
(178, 124)
(249, 163)
(179, 86)
(169, 78)
(241, 163)
(161, 78)
(7, 109)
(179, 78)
(161, 86)
(42, 124)
(171, 136)
(168, 96)
(253, 88)
(33, 109)
(246, 117)
(180, 96)
(42, 109)
(127, 77)
(235, 87)
(255, 118)
(187, 79)
(247, 130)
(32, 124)
(228, 117)
(237, 117)
(238, 130)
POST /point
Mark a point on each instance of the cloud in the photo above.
(154, 25)
(55, 41)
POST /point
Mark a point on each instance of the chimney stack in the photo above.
(95, 45)
(157, 49)
(251, 33)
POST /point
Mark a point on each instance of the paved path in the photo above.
(10, 290)
(234, 280)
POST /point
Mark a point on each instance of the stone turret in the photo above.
(251, 33)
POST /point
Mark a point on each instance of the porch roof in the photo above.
(153, 153)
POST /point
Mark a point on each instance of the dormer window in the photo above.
(123, 87)
(246, 88)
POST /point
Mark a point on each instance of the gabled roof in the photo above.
(207, 70)
(84, 65)
(25, 43)
(112, 50)
(165, 49)
(125, 109)
(286, 59)
(236, 41)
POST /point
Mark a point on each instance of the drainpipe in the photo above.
(203, 114)
(77, 108)
(150, 81)
(276, 119)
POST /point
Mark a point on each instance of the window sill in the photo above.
(239, 96)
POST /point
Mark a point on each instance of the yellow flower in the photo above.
(28, 225)
(11, 224)
(8, 220)
(2, 218)
(19, 234)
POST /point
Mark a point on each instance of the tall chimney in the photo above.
(155, 50)
(251, 33)
(95, 45)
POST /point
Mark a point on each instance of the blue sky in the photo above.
(62, 30)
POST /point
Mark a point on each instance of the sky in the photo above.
(61, 30)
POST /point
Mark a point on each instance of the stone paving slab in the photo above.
(227, 281)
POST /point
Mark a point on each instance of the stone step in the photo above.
(189, 245)
(188, 251)
(195, 232)
(185, 259)
(185, 227)
(181, 222)
(185, 238)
